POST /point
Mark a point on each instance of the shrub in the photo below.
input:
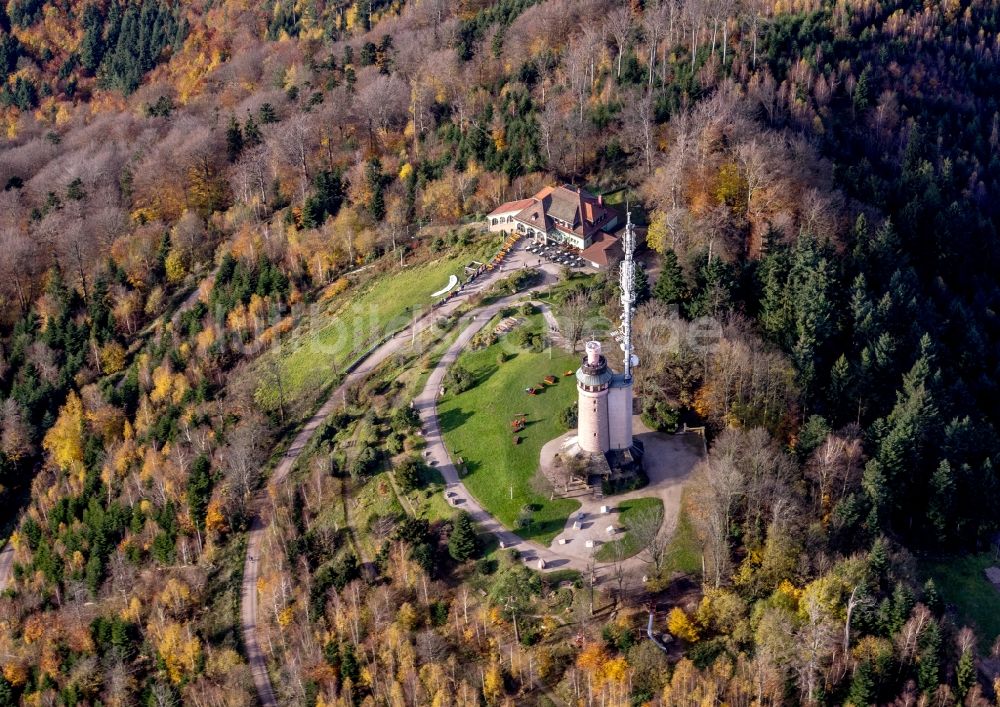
(568, 417)
(404, 419)
(459, 379)
(681, 626)
(660, 416)
(408, 475)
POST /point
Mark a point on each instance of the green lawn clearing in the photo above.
(961, 582)
(428, 500)
(684, 551)
(328, 340)
(628, 510)
(477, 430)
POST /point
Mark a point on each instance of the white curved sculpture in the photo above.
(452, 281)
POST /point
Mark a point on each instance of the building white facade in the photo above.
(564, 215)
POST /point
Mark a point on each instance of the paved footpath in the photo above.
(436, 454)
(6, 564)
(255, 541)
(669, 461)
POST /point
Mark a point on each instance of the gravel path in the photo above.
(259, 524)
(669, 461)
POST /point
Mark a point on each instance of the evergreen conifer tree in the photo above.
(463, 543)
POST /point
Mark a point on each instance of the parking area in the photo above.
(557, 255)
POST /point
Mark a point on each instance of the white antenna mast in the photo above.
(628, 295)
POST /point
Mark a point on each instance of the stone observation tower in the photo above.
(605, 398)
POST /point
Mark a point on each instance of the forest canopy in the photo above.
(187, 186)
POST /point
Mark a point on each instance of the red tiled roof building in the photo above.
(565, 215)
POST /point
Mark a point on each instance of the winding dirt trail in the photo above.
(6, 564)
(669, 461)
(259, 524)
(426, 403)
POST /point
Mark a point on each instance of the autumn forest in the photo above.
(194, 195)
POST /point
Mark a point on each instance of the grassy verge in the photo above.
(962, 583)
(428, 501)
(628, 510)
(329, 339)
(477, 430)
(684, 551)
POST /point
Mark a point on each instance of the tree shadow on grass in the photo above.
(547, 528)
(484, 374)
(453, 419)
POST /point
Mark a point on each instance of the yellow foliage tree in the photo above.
(215, 521)
(731, 187)
(180, 650)
(615, 671)
(112, 357)
(175, 266)
(680, 625)
(34, 628)
(493, 687)
(592, 658)
(64, 440)
(407, 616)
(657, 235)
(441, 201)
(175, 596)
(15, 673)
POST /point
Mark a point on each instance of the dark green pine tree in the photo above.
(864, 90)
(670, 288)
(367, 55)
(878, 559)
(941, 502)
(965, 673)
(325, 200)
(811, 287)
(840, 393)
(641, 285)
(713, 289)
(251, 133)
(102, 325)
(92, 45)
(931, 597)
(234, 139)
(199, 489)
(10, 50)
(863, 685)
(375, 180)
(775, 303)
(7, 695)
(463, 543)
(267, 114)
(892, 477)
(94, 573)
(929, 658)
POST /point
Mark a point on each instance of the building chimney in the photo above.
(600, 200)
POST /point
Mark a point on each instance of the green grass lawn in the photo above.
(428, 501)
(476, 426)
(628, 510)
(684, 551)
(324, 343)
(961, 582)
